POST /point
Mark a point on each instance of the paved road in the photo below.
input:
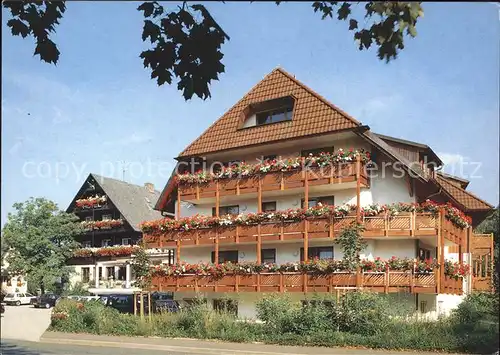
(192, 347)
(24, 322)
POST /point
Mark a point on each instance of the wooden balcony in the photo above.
(274, 181)
(409, 224)
(387, 282)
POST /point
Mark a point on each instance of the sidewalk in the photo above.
(189, 346)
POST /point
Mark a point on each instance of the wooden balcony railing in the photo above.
(273, 181)
(407, 224)
(388, 282)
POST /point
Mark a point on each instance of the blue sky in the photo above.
(98, 107)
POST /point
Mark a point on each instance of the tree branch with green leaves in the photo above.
(186, 41)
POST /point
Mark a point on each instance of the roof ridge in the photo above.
(229, 109)
(445, 175)
(318, 96)
(96, 176)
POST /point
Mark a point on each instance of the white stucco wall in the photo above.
(290, 252)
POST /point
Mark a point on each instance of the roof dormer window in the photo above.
(273, 116)
(267, 112)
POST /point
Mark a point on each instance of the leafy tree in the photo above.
(186, 41)
(40, 239)
(140, 265)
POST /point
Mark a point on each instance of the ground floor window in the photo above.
(85, 274)
(230, 306)
(423, 306)
(110, 271)
(122, 273)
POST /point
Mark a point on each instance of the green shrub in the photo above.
(477, 307)
(358, 319)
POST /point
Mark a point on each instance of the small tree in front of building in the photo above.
(39, 239)
(141, 267)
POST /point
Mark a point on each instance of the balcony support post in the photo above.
(178, 252)
(178, 212)
(216, 252)
(259, 209)
(217, 198)
(440, 250)
(306, 205)
(358, 189)
(306, 240)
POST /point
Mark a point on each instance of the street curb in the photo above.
(181, 349)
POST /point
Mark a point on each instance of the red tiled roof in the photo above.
(312, 115)
(465, 198)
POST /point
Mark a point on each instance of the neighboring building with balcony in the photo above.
(266, 206)
(110, 211)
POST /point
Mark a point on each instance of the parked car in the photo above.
(46, 300)
(169, 306)
(164, 302)
(18, 298)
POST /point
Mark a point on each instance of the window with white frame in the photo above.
(106, 217)
(87, 244)
(88, 219)
(125, 241)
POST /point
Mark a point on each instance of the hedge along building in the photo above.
(283, 147)
(110, 211)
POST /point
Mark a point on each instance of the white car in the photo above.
(18, 298)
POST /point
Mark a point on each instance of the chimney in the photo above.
(150, 187)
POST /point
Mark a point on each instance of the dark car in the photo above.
(46, 300)
(160, 302)
(123, 303)
(2, 308)
(170, 306)
(164, 302)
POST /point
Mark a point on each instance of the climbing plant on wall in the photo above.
(352, 243)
